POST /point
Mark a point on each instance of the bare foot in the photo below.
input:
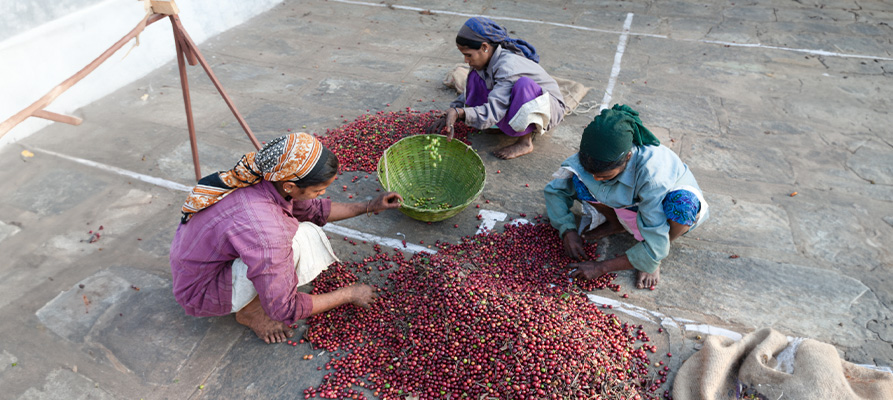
(524, 145)
(268, 330)
(604, 230)
(646, 280)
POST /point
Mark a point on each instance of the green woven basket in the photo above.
(451, 175)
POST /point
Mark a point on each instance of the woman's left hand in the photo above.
(385, 201)
(452, 116)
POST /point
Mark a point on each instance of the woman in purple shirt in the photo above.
(248, 217)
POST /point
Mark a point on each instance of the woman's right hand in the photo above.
(362, 295)
(573, 245)
(438, 125)
(444, 125)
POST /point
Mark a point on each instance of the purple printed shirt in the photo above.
(255, 224)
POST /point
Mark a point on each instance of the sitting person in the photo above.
(250, 236)
(506, 87)
(625, 180)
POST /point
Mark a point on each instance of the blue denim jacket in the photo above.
(652, 172)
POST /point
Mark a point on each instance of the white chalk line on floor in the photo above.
(584, 28)
(120, 171)
(330, 227)
(494, 17)
(618, 56)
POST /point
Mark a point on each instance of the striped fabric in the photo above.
(285, 158)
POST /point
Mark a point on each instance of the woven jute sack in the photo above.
(457, 78)
(572, 91)
(757, 367)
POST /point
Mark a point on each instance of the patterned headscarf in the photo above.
(482, 29)
(285, 158)
(613, 133)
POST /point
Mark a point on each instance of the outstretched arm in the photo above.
(383, 202)
(359, 294)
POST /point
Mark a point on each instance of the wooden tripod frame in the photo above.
(186, 51)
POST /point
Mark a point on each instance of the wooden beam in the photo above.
(48, 98)
(178, 27)
(68, 119)
(165, 7)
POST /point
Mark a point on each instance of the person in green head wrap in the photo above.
(627, 181)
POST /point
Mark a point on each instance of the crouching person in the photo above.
(251, 235)
(626, 181)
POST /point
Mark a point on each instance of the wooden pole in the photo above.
(44, 101)
(201, 59)
(184, 84)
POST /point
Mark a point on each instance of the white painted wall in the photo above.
(37, 60)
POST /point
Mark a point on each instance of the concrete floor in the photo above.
(760, 98)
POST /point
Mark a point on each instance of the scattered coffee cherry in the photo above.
(492, 316)
(360, 144)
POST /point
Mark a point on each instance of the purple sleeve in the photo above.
(315, 211)
(305, 306)
(264, 242)
(496, 107)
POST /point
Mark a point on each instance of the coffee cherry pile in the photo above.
(491, 317)
(359, 144)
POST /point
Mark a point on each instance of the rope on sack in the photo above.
(588, 105)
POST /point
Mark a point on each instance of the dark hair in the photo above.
(472, 44)
(594, 166)
(324, 170)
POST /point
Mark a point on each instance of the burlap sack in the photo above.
(573, 92)
(726, 369)
(457, 78)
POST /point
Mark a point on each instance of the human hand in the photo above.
(362, 295)
(586, 270)
(573, 245)
(438, 125)
(452, 116)
(385, 201)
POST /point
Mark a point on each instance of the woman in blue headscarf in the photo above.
(506, 87)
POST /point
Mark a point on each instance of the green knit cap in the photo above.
(614, 132)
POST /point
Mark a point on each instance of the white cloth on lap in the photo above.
(572, 91)
(312, 255)
(537, 112)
